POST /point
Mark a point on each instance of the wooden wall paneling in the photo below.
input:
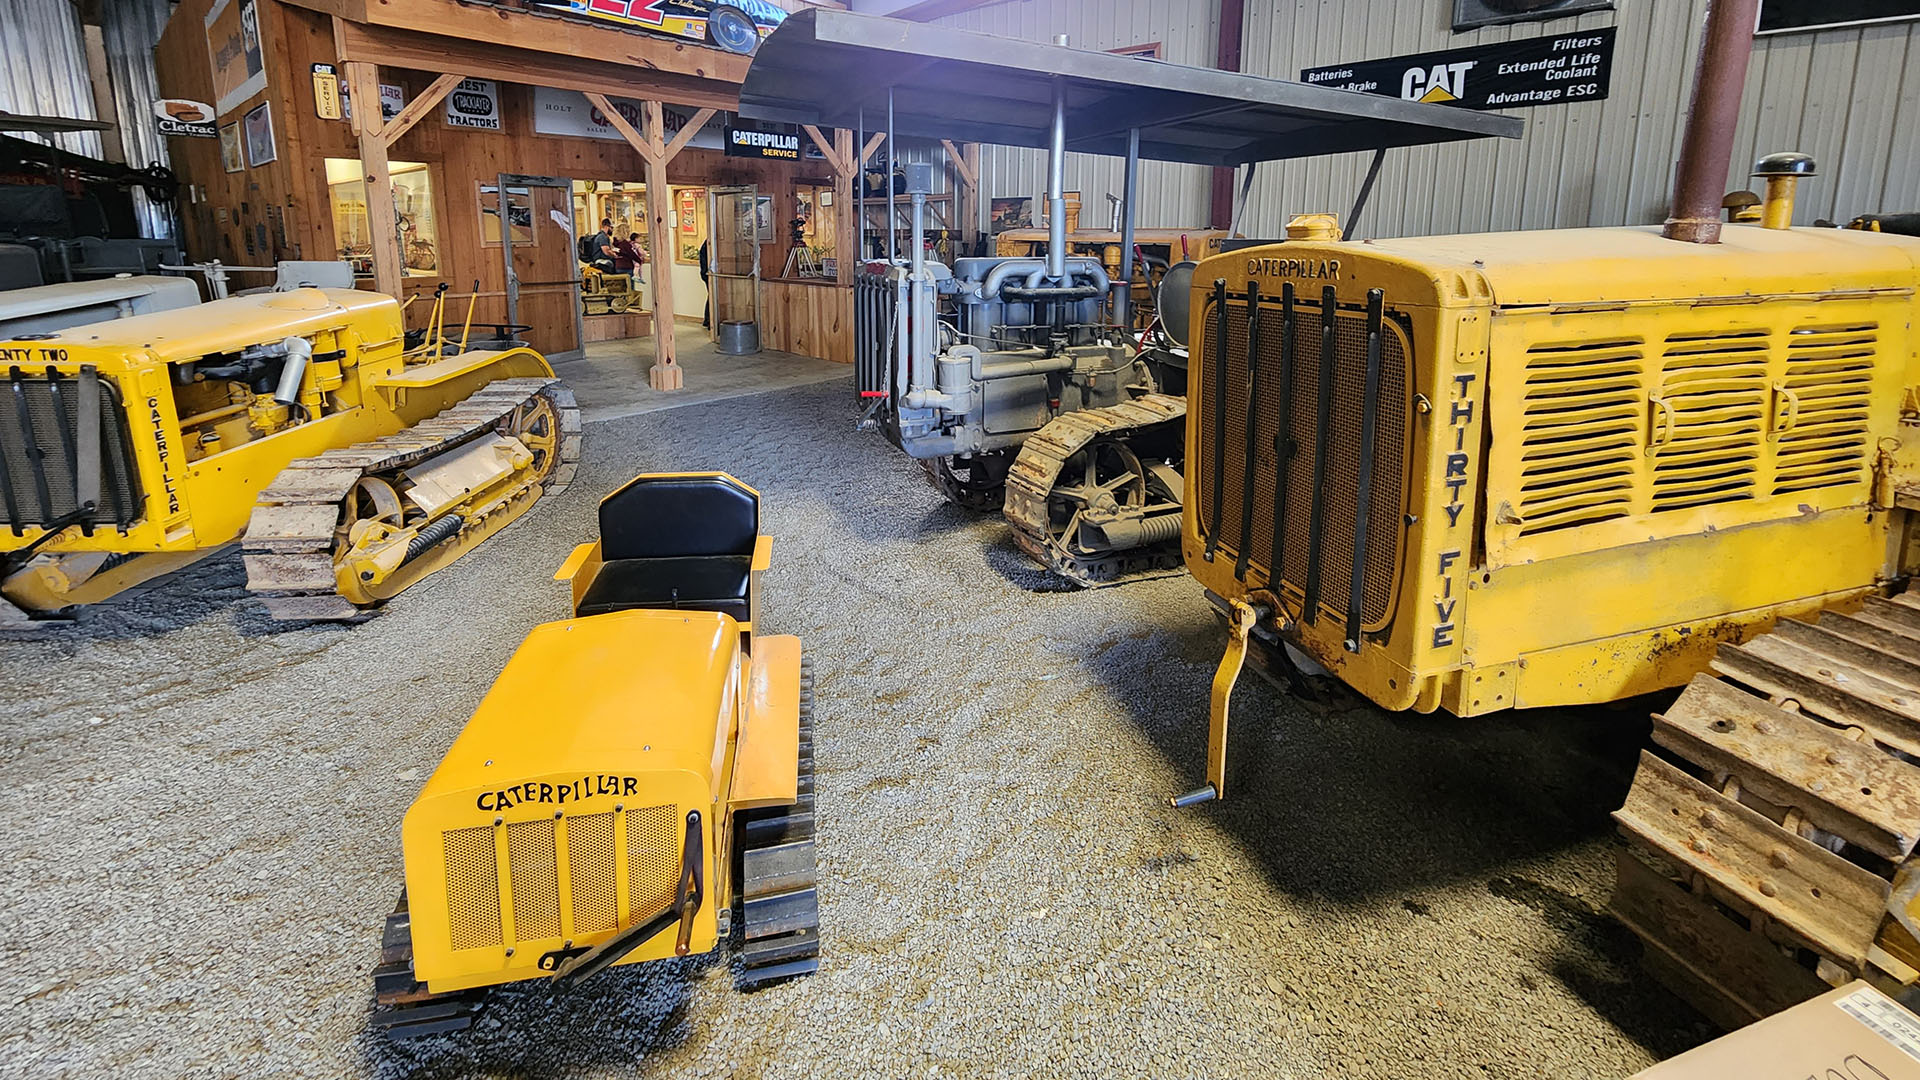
(241, 218)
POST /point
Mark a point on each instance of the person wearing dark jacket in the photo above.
(706, 315)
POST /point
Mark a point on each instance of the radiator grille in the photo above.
(534, 862)
(653, 858)
(1829, 387)
(1580, 432)
(1388, 499)
(542, 908)
(473, 888)
(1712, 414)
(590, 873)
(39, 423)
(1612, 427)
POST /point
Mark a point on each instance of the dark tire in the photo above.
(731, 29)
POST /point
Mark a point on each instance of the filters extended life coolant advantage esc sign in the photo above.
(1555, 70)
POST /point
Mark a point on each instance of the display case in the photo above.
(413, 211)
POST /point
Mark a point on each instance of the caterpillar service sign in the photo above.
(1553, 70)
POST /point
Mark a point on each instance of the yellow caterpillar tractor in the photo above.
(1478, 473)
(298, 423)
(567, 830)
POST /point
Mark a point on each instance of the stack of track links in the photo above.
(780, 908)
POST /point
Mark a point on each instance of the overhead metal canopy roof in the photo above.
(823, 67)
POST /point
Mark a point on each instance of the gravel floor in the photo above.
(204, 831)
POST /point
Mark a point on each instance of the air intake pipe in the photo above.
(294, 372)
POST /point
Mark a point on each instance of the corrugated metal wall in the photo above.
(44, 72)
(1850, 97)
(1171, 195)
(131, 28)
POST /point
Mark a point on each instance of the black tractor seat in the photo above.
(676, 542)
(699, 582)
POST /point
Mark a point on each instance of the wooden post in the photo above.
(364, 82)
(966, 196)
(665, 374)
(976, 199)
(656, 151)
(845, 251)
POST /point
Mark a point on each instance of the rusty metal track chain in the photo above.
(1772, 842)
(407, 1009)
(780, 907)
(1030, 485)
(290, 539)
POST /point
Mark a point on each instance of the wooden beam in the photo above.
(842, 166)
(873, 143)
(490, 59)
(112, 147)
(456, 25)
(418, 108)
(647, 151)
(685, 134)
(959, 162)
(364, 80)
(353, 10)
(665, 374)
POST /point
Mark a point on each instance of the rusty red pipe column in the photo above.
(1707, 149)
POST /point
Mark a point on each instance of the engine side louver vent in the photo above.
(1582, 424)
(1821, 407)
(1709, 418)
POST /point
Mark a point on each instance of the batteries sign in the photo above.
(1550, 70)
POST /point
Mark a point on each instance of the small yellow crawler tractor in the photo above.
(298, 423)
(635, 773)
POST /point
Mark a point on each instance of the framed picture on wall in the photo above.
(690, 225)
(258, 129)
(230, 158)
(1012, 213)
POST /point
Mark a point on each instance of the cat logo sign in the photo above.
(1439, 83)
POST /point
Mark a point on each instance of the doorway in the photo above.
(541, 259)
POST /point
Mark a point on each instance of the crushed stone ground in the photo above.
(204, 817)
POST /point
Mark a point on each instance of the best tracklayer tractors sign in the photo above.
(1510, 74)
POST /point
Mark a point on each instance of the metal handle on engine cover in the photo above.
(1661, 430)
(1787, 413)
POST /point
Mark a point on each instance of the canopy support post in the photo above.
(1366, 192)
(1130, 183)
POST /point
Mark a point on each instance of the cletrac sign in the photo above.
(1555, 70)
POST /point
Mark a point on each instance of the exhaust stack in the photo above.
(1707, 149)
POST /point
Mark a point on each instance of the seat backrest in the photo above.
(656, 517)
